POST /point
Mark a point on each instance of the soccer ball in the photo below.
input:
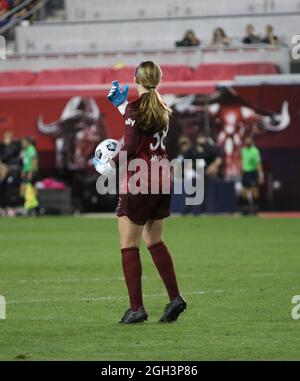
(106, 150)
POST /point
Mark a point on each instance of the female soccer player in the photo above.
(141, 215)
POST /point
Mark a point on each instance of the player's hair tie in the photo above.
(152, 87)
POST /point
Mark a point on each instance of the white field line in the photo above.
(103, 298)
(75, 280)
(103, 279)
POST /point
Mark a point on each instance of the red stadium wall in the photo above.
(20, 114)
(252, 110)
(171, 73)
(24, 97)
(280, 150)
(19, 111)
(271, 97)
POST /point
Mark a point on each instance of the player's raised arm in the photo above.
(118, 97)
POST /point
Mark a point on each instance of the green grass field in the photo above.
(65, 293)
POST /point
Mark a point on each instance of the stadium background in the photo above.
(59, 274)
(57, 51)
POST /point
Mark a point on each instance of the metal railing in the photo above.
(279, 55)
(236, 47)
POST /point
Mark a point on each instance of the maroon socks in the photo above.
(132, 269)
(164, 264)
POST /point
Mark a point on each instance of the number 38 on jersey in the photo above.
(159, 141)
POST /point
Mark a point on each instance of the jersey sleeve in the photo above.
(131, 135)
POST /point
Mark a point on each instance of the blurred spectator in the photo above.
(30, 160)
(210, 153)
(251, 37)
(22, 12)
(184, 152)
(4, 7)
(9, 151)
(184, 145)
(220, 38)
(189, 39)
(29, 175)
(204, 154)
(203, 149)
(187, 170)
(15, 3)
(270, 37)
(7, 5)
(9, 172)
(252, 175)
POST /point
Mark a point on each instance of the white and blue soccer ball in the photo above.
(107, 150)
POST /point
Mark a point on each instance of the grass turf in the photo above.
(65, 293)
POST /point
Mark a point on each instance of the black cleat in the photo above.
(132, 317)
(173, 310)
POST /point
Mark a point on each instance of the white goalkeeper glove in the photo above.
(105, 169)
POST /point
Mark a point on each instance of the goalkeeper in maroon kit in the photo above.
(140, 215)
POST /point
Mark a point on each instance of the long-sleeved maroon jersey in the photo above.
(139, 144)
(151, 147)
(147, 145)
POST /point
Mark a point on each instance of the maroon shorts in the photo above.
(140, 208)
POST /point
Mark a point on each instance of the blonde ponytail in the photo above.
(152, 112)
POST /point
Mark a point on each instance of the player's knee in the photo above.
(147, 239)
(153, 234)
(129, 242)
(154, 240)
